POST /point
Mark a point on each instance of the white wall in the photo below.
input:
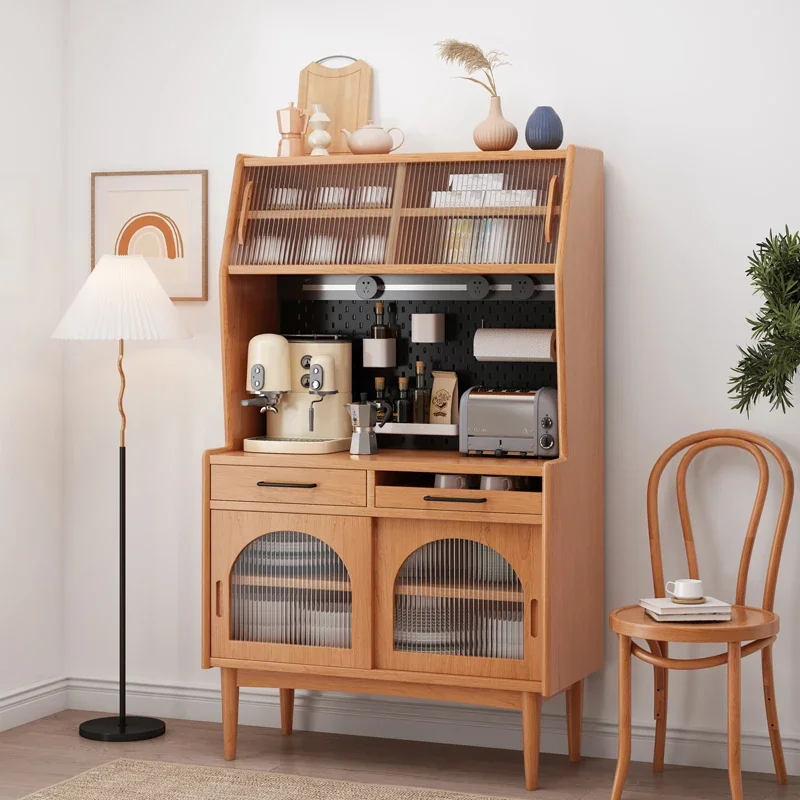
(31, 265)
(693, 104)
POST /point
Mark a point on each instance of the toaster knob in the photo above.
(546, 441)
(547, 422)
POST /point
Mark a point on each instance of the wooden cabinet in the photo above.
(458, 598)
(410, 212)
(352, 573)
(291, 588)
(450, 598)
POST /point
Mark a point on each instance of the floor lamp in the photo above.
(121, 299)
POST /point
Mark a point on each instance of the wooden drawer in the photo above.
(461, 499)
(322, 487)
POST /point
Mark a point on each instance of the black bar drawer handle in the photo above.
(279, 485)
(430, 499)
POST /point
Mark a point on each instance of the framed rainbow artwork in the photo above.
(159, 215)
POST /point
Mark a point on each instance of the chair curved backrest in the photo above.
(755, 445)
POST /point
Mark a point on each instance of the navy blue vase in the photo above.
(544, 130)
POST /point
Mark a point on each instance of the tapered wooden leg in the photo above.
(574, 720)
(624, 700)
(287, 711)
(531, 730)
(230, 712)
(772, 715)
(660, 696)
(735, 720)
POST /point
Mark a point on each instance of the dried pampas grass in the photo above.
(473, 59)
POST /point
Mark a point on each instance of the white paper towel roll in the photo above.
(515, 344)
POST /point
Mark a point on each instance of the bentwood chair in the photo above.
(751, 630)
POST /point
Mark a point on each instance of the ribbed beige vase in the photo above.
(495, 132)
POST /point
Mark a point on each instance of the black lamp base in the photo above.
(108, 729)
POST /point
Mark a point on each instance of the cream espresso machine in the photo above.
(300, 384)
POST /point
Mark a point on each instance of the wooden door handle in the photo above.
(551, 207)
(534, 618)
(219, 599)
(245, 211)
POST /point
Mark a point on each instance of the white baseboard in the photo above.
(33, 702)
(425, 721)
(384, 717)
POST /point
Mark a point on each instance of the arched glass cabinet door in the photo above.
(459, 598)
(288, 586)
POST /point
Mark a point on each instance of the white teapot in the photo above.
(371, 139)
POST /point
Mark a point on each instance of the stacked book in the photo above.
(476, 240)
(663, 609)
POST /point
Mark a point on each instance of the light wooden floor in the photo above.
(48, 751)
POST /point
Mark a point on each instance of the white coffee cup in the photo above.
(451, 482)
(497, 483)
(685, 588)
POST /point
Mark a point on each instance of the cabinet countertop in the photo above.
(391, 461)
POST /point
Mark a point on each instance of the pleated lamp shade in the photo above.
(121, 299)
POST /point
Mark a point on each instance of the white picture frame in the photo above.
(161, 215)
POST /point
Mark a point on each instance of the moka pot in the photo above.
(364, 418)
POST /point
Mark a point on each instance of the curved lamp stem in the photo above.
(123, 418)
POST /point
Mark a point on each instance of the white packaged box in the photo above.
(476, 180)
(510, 197)
(457, 199)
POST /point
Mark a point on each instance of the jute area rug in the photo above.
(149, 780)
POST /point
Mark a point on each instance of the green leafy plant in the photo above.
(472, 59)
(766, 368)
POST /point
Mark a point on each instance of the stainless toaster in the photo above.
(494, 422)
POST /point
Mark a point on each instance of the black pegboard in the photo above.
(353, 318)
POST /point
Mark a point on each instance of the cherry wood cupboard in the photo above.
(353, 577)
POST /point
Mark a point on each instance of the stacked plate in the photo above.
(289, 553)
(375, 197)
(291, 617)
(286, 197)
(272, 250)
(370, 249)
(464, 562)
(458, 626)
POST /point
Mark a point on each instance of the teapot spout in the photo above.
(346, 133)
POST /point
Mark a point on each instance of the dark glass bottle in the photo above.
(402, 406)
(380, 398)
(421, 396)
(380, 330)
